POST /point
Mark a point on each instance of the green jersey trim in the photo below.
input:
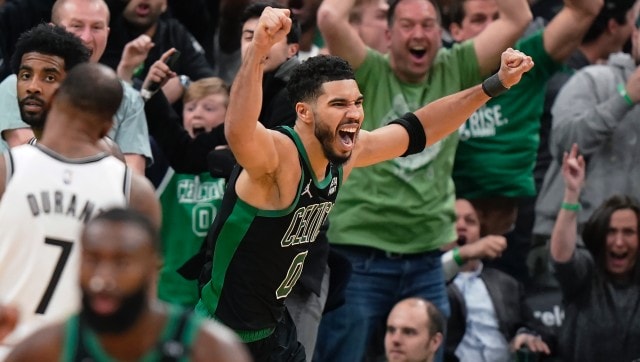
(303, 152)
(70, 342)
(94, 348)
(245, 336)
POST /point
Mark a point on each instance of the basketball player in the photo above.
(118, 320)
(50, 190)
(89, 21)
(39, 77)
(260, 238)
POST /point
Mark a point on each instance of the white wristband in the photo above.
(146, 94)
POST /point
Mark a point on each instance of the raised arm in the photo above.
(133, 55)
(565, 234)
(565, 31)
(251, 143)
(339, 36)
(489, 247)
(444, 116)
(514, 17)
(441, 117)
(185, 154)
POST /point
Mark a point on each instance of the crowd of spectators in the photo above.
(516, 234)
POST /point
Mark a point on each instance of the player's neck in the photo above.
(69, 137)
(138, 340)
(37, 132)
(314, 150)
(70, 145)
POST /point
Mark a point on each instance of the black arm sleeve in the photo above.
(185, 154)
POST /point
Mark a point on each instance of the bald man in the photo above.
(415, 329)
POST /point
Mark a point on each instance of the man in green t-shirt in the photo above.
(498, 145)
(393, 219)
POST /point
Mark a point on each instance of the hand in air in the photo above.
(159, 73)
(513, 65)
(273, 26)
(490, 246)
(573, 169)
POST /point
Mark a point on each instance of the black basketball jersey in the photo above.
(258, 255)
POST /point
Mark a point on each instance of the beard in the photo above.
(122, 319)
(327, 139)
(34, 120)
(138, 26)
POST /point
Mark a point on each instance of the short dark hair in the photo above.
(254, 10)
(394, 3)
(437, 321)
(308, 77)
(130, 216)
(456, 13)
(596, 228)
(51, 40)
(612, 9)
(93, 88)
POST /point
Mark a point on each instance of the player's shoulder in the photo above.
(215, 339)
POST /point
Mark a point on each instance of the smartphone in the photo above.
(171, 62)
(172, 59)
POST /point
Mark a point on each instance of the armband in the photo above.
(417, 137)
(493, 87)
(623, 93)
(457, 257)
(570, 207)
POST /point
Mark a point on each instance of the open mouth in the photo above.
(618, 256)
(348, 134)
(198, 131)
(618, 261)
(418, 52)
(143, 9)
(104, 304)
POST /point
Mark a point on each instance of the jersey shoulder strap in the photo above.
(177, 345)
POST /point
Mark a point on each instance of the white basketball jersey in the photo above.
(47, 200)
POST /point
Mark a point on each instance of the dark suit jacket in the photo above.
(512, 312)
